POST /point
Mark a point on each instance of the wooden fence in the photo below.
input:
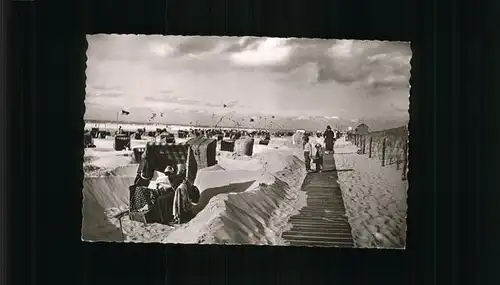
(389, 146)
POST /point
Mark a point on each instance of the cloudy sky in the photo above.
(302, 83)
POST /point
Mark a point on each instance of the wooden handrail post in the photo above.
(370, 147)
(405, 165)
(122, 237)
(383, 152)
(364, 144)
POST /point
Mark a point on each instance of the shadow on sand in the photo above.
(345, 170)
(212, 192)
(334, 170)
(328, 170)
(95, 225)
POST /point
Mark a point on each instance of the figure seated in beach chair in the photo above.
(186, 195)
(148, 205)
(153, 203)
(168, 199)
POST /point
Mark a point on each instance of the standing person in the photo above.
(307, 153)
(329, 139)
(318, 157)
(304, 136)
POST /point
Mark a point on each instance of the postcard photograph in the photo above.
(246, 140)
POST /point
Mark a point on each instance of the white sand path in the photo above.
(374, 197)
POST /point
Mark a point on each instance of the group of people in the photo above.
(170, 199)
(316, 154)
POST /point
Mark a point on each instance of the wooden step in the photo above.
(319, 232)
(334, 219)
(320, 237)
(294, 242)
(319, 229)
(322, 222)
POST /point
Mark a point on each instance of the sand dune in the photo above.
(99, 194)
(255, 216)
(251, 212)
(129, 170)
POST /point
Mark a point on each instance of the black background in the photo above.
(454, 143)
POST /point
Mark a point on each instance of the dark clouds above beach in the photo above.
(244, 77)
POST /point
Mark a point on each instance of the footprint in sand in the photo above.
(389, 221)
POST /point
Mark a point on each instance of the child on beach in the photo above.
(307, 153)
(318, 157)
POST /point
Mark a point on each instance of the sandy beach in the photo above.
(374, 197)
(244, 200)
(247, 200)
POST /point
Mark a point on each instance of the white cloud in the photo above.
(270, 51)
(161, 49)
(301, 118)
(299, 76)
(342, 49)
(394, 57)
